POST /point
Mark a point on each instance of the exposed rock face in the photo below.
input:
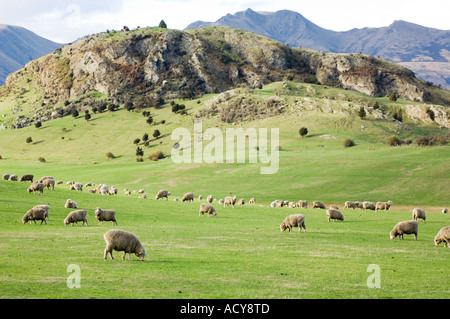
(211, 60)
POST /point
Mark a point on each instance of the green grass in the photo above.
(240, 253)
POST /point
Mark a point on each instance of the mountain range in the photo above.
(424, 50)
(19, 46)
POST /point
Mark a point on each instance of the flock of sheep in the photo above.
(120, 240)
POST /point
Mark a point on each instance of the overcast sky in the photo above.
(65, 21)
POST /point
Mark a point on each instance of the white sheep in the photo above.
(207, 209)
(103, 189)
(106, 215)
(142, 195)
(70, 204)
(49, 183)
(13, 178)
(46, 207)
(295, 220)
(317, 204)
(334, 214)
(200, 197)
(252, 201)
(36, 187)
(445, 211)
(44, 178)
(162, 193)
(76, 187)
(383, 206)
(241, 202)
(443, 236)
(210, 199)
(112, 191)
(229, 201)
(221, 201)
(141, 191)
(419, 213)
(407, 227)
(6, 177)
(187, 197)
(36, 213)
(350, 204)
(75, 217)
(302, 204)
(120, 240)
(368, 205)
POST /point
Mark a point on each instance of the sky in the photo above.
(65, 21)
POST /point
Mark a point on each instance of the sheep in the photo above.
(334, 214)
(162, 193)
(142, 195)
(91, 191)
(44, 177)
(49, 183)
(368, 205)
(273, 204)
(26, 177)
(286, 203)
(46, 207)
(317, 204)
(188, 197)
(70, 204)
(141, 191)
(59, 182)
(349, 204)
(229, 201)
(75, 217)
(69, 183)
(334, 207)
(292, 205)
(103, 189)
(252, 201)
(105, 215)
(36, 187)
(241, 202)
(88, 185)
(302, 204)
(221, 201)
(5, 177)
(443, 236)
(419, 213)
(176, 199)
(210, 199)
(445, 211)
(359, 205)
(383, 206)
(200, 197)
(296, 220)
(208, 209)
(112, 191)
(407, 227)
(279, 203)
(36, 213)
(77, 187)
(121, 240)
(127, 193)
(13, 178)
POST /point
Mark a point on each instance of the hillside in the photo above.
(18, 46)
(144, 65)
(401, 42)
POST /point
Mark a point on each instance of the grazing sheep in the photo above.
(13, 178)
(368, 205)
(443, 236)
(273, 204)
(349, 204)
(359, 205)
(317, 204)
(407, 227)
(26, 177)
(292, 205)
(229, 201)
(221, 201)
(200, 197)
(46, 207)
(75, 217)
(127, 193)
(383, 206)
(334, 214)
(296, 220)
(106, 215)
(69, 183)
(142, 195)
(188, 197)
(241, 202)
(302, 204)
(77, 187)
(162, 193)
(419, 213)
(70, 204)
(103, 189)
(176, 199)
(286, 203)
(36, 213)
(210, 199)
(207, 209)
(112, 191)
(334, 207)
(141, 191)
(88, 185)
(6, 177)
(44, 177)
(49, 183)
(59, 182)
(444, 211)
(120, 240)
(252, 201)
(92, 191)
(36, 187)
(279, 203)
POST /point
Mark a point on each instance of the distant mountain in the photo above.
(19, 46)
(424, 50)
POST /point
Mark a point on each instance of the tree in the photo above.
(38, 124)
(139, 152)
(29, 140)
(156, 134)
(145, 137)
(136, 141)
(362, 112)
(162, 24)
(75, 113)
(87, 117)
(303, 132)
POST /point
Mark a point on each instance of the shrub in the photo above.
(41, 159)
(394, 141)
(29, 140)
(156, 155)
(362, 112)
(393, 97)
(38, 124)
(110, 155)
(145, 137)
(139, 152)
(398, 115)
(156, 134)
(136, 141)
(424, 141)
(75, 113)
(87, 116)
(303, 132)
(430, 113)
(139, 159)
(349, 142)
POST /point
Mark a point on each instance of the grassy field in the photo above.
(241, 253)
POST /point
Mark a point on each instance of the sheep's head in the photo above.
(140, 252)
(393, 234)
(437, 240)
(283, 227)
